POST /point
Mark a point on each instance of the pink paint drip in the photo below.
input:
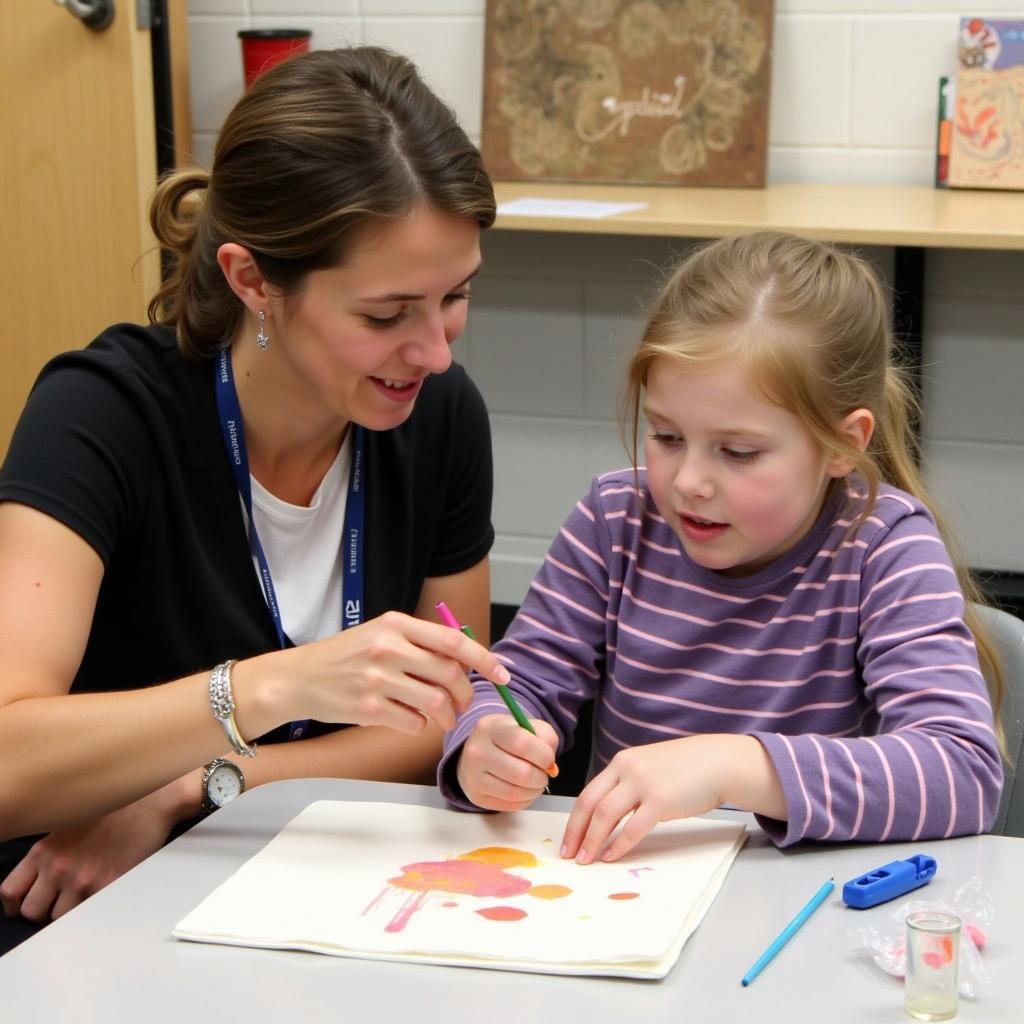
(412, 903)
(376, 899)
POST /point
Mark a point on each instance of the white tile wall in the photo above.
(327, 32)
(895, 105)
(613, 318)
(526, 345)
(292, 8)
(974, 368)
(447, 50)
(810, 104)
(978, 488)
(853, 99)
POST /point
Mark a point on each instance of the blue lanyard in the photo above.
(352, 537)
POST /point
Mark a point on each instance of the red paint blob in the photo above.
(502, 913)
(623, 895)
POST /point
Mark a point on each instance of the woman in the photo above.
(203, 503)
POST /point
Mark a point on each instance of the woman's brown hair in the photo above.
(319, 147)
(811, 325)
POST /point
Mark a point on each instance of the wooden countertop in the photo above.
(864, 214)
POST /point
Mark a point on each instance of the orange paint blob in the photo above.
(501, 857)
(502, 913)
(623, 895)
(549, 892)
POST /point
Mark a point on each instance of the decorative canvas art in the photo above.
(987, 146)
(639, 91)
(421, 884)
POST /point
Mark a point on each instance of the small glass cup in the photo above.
(933, 965)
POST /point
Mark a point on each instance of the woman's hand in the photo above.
(664, 781)
(502, 766)
(395, 670)
(69, 865)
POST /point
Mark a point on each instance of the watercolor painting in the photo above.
(428, 885)
(481, 878)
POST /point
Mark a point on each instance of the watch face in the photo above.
(224, 784)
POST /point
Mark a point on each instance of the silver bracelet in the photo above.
(222, 707)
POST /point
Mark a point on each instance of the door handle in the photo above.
(94, 14)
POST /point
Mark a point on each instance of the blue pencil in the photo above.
(789, 931)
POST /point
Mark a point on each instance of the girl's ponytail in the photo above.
(898, 451)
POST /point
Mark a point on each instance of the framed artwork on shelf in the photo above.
(987, 138)
(629, 91)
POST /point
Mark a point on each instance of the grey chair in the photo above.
(1008, 634)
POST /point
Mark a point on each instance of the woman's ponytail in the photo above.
(194, 296)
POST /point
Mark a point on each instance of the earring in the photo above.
(262, 341)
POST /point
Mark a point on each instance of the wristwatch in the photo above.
(222, 782)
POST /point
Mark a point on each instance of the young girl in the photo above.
(766, 613)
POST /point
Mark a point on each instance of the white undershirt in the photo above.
(303, 550)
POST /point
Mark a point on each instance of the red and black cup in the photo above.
(263, 48)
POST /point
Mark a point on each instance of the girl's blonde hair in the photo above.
(318, 148)
(811, 326)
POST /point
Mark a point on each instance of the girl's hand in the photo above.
(502, 766)
(664, 781)
(657, 782)
(395, 670)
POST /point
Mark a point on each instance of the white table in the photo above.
(113, 959)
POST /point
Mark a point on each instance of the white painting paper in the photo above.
(401, 882)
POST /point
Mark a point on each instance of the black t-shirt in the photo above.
(121, 443)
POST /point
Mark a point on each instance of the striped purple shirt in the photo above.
(847, 658)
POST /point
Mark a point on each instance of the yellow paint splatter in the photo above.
(549, 892)
(501, 857)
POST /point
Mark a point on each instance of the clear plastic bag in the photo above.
(886, 943)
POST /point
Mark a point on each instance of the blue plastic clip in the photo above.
(889, 881)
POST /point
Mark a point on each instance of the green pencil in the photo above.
(512, 705)
(503, 691)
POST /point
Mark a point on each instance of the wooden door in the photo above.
(77, 167)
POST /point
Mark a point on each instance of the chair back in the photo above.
(1008, 635)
